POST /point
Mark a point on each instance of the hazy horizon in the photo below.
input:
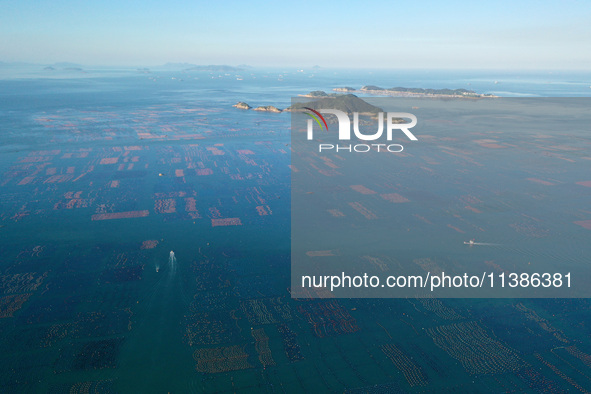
(178, 66)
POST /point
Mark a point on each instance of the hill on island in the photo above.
(348, 103)
(319, 94)
(417, 92)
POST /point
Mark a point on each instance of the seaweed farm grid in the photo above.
(94, 197)
(489, 201)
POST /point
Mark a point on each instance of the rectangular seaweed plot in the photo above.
(211, 328)
(291, 346)
(221, 359)
(414, 373)
(266, 310)
(120, 215)
(475, 349)
(329, 318)
(12, 303)
(262, 347)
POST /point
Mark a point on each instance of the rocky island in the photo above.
(242, 105)
(268, 108)
(264, 108)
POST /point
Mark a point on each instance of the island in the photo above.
(242, 105)
(318, 94)
(263, 108)
(350, 103)
(347, 103)
(268, 108)
(414, 92)
(345, 89)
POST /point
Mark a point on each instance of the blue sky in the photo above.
(382, 34)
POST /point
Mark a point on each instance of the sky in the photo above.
(503, 34)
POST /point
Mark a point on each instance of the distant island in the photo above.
(346, 89)
(413, 92)
(242, 105)
(64, 66)
(215, 68)
(348, 103)
(195, 67)
(319, 94)
(266, 108)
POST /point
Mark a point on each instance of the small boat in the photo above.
(471, 242)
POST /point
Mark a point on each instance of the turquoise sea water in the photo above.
(103, 174)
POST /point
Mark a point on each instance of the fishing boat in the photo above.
(471, 242)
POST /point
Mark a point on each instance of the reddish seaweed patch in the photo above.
(120, 215)
(584, 223)
(473, 209)
(455, 228)
(226, 222)
(394, 197)
(362, 189)
(336, 213)
(362, 210)
(264, 210)
(109, 160)
(12, 303)
(165, 206)
(149, 244)
(540, 181)
(26, 180)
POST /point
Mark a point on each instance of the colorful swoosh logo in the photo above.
(316, 117)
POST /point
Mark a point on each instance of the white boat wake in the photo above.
(471, 242)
